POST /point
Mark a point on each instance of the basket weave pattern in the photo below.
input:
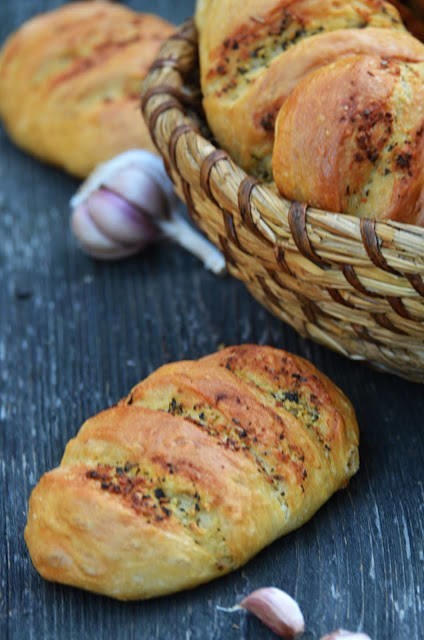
(354, 285)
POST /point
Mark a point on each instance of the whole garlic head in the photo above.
(129, 202)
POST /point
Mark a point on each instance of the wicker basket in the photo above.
(354, 285)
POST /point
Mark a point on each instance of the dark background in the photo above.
(76, 334)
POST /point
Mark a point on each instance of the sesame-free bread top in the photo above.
(201, 466)
(70, 81)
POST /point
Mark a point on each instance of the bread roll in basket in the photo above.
(353, 284)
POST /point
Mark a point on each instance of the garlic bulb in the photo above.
(129, 202)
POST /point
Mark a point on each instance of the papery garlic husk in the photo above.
(276, 609)
(342, 634)
(128, 202)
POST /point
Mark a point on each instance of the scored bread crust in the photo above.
(202, 465)
(251, 63)
(70, 81)
(350, 138)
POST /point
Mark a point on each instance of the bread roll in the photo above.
(70, 82)
(252, 55)
(350, 138)
(202, 465)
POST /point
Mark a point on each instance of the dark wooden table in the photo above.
(76, 334)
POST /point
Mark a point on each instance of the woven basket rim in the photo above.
(355, 285)
(393, 246)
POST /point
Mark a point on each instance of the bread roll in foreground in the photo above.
(70, 81)
(202, 465)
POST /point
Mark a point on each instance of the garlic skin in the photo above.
(342, 634)
(276, 609)
(109, 228)
(129, 202)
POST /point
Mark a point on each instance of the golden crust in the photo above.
(70, 81)
(351, 138)
(251, 58)
(201, 466)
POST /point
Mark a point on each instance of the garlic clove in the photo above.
(342, 634)
(136, 186)
(276, 609)
(94, 241)
(120, 220)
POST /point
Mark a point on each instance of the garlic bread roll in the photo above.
(70, 81)
(201, 466)
(350, 138)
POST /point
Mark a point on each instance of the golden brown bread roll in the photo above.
(70, 82)
(351, 138)
(253, 54)
(201, 466)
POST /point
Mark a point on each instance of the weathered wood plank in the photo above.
(76, 334)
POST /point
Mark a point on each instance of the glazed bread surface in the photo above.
(351, 138)
(201, 466)
(70, 82)
(252, 55)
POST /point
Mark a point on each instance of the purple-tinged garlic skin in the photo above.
(277, 610)
(118, 218)
(342, 634)
(109, 227)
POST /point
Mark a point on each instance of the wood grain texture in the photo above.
(75, 334)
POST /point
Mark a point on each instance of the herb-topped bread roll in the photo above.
(351, 138)
(252, 55)
(201, 466)
(70, 81)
